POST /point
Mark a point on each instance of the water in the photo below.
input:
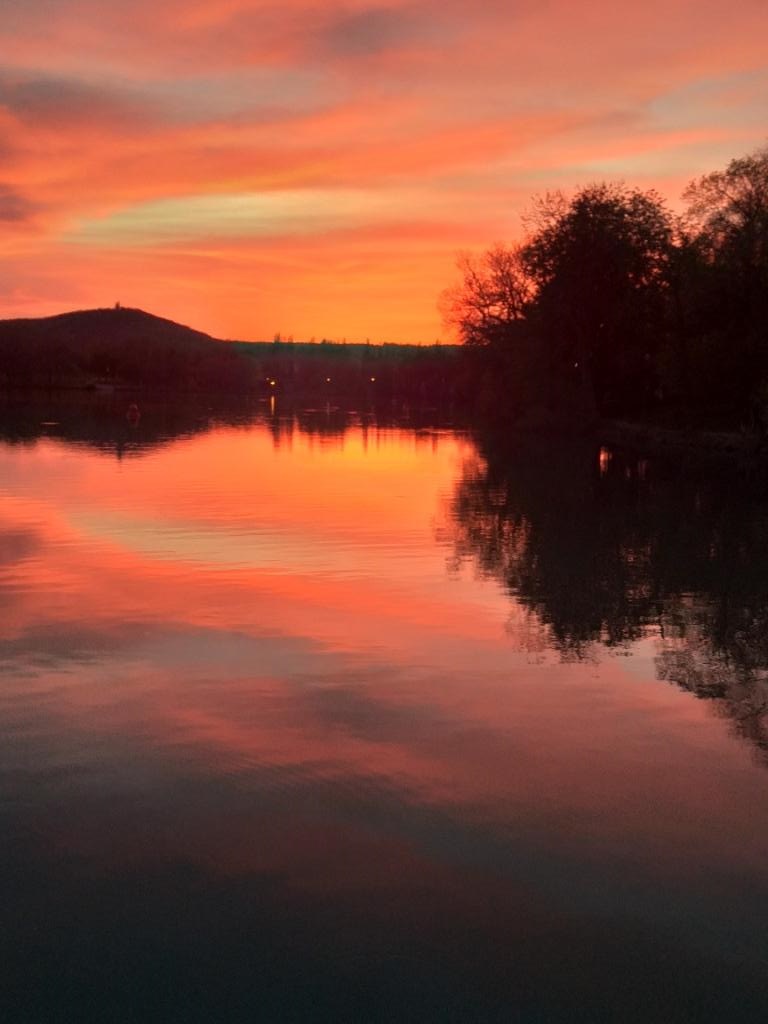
(319, 717)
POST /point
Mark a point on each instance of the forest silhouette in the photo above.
(612, 306)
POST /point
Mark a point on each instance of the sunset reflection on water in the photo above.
(279, 743)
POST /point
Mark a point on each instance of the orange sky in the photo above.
(313, 168)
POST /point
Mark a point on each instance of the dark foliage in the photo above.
(367, 374)
(613, 307)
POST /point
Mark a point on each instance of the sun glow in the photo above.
(313, 169)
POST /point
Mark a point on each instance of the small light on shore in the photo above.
(327, 380)
(373, 380)
(272, 383)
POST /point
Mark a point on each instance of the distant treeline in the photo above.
(613, 306)
(311, 370)
(107, 349)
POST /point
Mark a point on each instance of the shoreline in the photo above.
(719, 445)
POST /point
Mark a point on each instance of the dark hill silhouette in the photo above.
(121, 324)
(116, 347)
(129, 348)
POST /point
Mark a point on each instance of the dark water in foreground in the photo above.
(318, 720)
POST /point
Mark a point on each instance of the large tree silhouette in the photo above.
(727, 227)
(601, 266)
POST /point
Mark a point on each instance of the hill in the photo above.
(129, 348)
(118, 348)
(90, 325)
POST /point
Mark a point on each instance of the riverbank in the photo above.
(694, 443)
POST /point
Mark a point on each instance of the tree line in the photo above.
(358, 373)
(614, 306)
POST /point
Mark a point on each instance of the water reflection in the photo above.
(126, 424)
(262, 758)
(605, 547)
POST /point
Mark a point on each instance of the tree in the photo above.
(612, 306)
(488, 310)
(730, 208)
(600, 265)
(492, 299)
(727, 217)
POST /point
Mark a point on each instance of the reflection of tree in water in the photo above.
(606, 548)
(124, 424)
(732, 670)
(108, 424)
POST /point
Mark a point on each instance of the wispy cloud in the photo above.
(14, 206)
(367, 138)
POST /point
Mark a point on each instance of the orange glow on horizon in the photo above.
(313, 169)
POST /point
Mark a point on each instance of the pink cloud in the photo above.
(454, 114)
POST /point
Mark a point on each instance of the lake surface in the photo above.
(321, 717)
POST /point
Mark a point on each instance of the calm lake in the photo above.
(323, 717)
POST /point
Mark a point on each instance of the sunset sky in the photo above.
(314, 167)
